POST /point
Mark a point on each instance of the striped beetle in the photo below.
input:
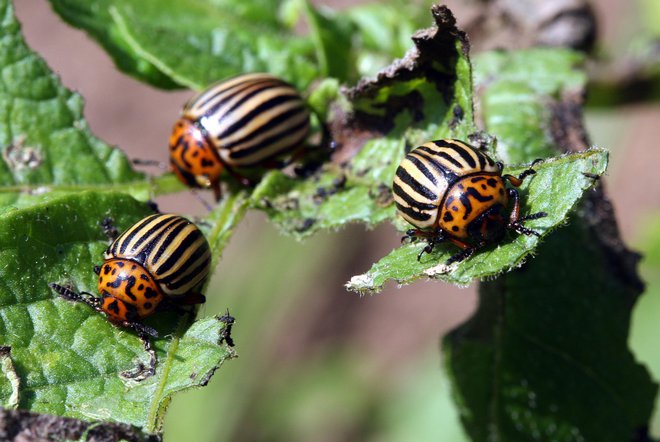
(451, 191)
(248, 121)
(160, 262)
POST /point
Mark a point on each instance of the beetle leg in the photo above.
(142, 371)
(519, 228)
(516, 221)
(515, 212)
(70, 295)
(461, 256)
(432, 238)
(427, 249)
(217, 191)
(517, 181)
(412, 235)
(415, 234)
(532, 216)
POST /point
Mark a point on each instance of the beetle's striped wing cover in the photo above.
(251, 118)
(171, 248)
(426, 173)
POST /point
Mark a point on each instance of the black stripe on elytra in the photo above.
(231, 90)
(419, 216)
(185, 244)
(482, 160)
(398, 191)
(194, 257)
(294, 142)
(246, 117)
(490, 161)
(445, 156)
(421, 166)
(465, 154)
(258, 89)
(172, 232)
(201, 269)
(442, 144)
(415, 185)
(429, 155)
(144, 235)
(278, 120)
(122, 241)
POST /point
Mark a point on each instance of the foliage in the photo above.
(515, 366)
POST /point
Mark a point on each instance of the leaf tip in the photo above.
(362, 284)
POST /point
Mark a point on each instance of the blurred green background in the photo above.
(316, 362)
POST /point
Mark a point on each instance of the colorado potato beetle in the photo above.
(160, 262)
(248, 121)
(451, 191)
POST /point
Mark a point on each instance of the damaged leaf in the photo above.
(426, 95)
(68, 357)
(555, 189)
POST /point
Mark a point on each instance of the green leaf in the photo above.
(521, 94)
(520, 368)
(194, 43)
(67, 356)
(332, 36)
(426, 95)
(47, 148)
(59, 357)
(384, 30)
(545, 356)
(94, 18)
(520, 98)
(555, 189)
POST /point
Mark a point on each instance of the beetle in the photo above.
(248, 121)
(450, 191)
(160, 262)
